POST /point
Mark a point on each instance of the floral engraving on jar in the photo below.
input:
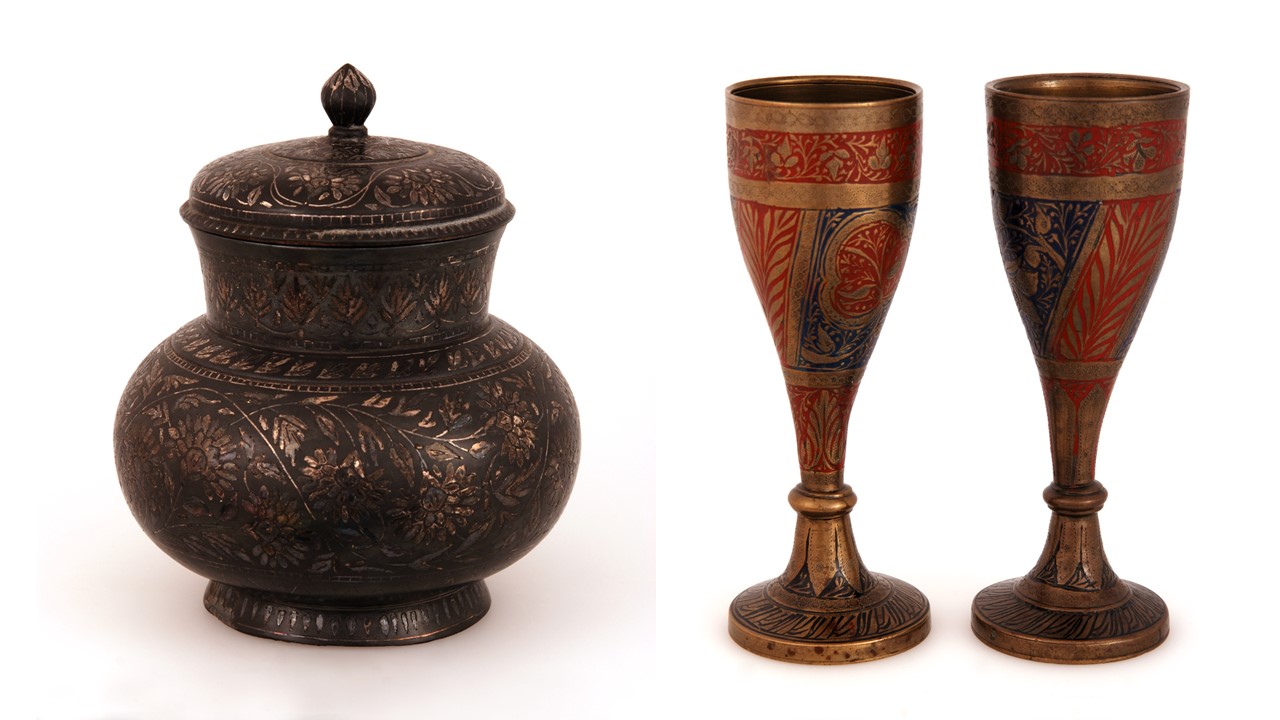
(196, 349)
(345, 490)
(331, 307)
(345, 483)
(277, 537)
(440, 507)
(419, 186)
(366, 177)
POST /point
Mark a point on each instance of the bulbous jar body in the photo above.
(347, 443)
(349, 428)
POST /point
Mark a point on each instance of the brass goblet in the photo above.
(1085, 174)
(824, 173)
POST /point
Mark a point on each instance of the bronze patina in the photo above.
(824, 173)
(1085, 176)
(347, 443)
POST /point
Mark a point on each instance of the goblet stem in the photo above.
(820, 407)
(1073, 570)
(824, 558)
(1073, 561)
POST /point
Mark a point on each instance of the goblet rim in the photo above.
(1073, 88)
(906, 92)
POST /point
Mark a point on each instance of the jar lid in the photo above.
(348, 188)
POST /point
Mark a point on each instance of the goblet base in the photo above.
(431, 616)
(890, 618)
(1006, 621)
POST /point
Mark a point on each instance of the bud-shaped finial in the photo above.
(348, 98)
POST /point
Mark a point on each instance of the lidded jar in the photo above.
(347, 443)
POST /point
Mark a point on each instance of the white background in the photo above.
(606, 123)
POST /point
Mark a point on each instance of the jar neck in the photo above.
(349, 300)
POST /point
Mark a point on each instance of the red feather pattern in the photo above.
(768, 236)
(1134, 238)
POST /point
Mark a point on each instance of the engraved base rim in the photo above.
(1069, 637)
(434, 615)
(900, 618)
